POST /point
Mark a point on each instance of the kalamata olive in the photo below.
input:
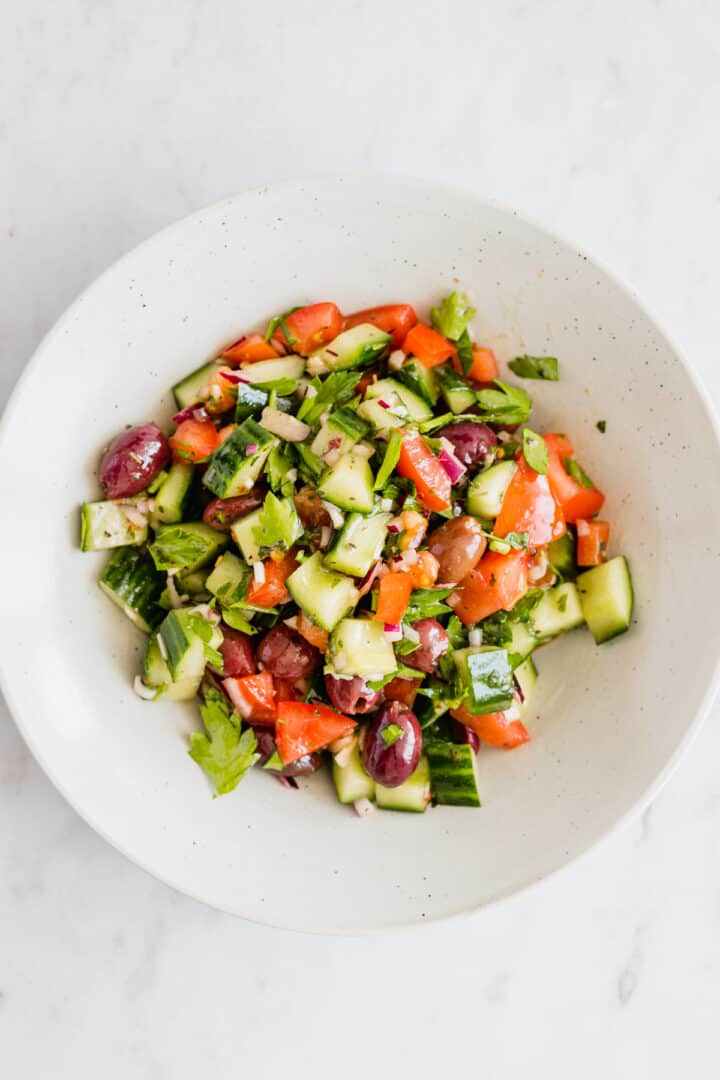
(471, 441)
(221, 513)
(133, 460)
(285, 653)
(310, 509)
(351, 696)
(464, 736)
(434, 643)
(237, 653)
(265, 742)
(458, 546)
(392, 759)
(308, 763)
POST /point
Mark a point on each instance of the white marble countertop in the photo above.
(597, 118)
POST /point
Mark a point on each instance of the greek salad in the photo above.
(351, 549)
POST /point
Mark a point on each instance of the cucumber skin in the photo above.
(133, 581)
(185, 392)
(231, 471)
(622, 628)
(452, 774)
(412, 797)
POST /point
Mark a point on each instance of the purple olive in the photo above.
(434, 643)
(351, 696)
(472, 441)
(133, 460)
(464, 736)
(391, 757)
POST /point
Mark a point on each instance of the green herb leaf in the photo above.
(405, 647)
(392, 456)
(391, 734)
(224, 754)
(282, 387)
(601, 426)
(465, 351)
(176, 548)
(279, 462)
(535, 451)
(237, 620)
(573, 469)
(427, 603)
(506, 405)
(335, 389)
(535, 367)
(278, 525)
(452, 315)
(518, 541)
(279, 320)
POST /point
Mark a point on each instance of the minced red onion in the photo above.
(136, 519)
(251, 448)
(363, 807)
(201, 414)
(233, 377)
(336, 515)
(367, 582)
(411, 634)
(393, 528)
(519, 690)
(513, 713)
(454, 468)
(396, 359)
(383, 403)
(185, 414)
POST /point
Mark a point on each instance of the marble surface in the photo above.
(596, 117)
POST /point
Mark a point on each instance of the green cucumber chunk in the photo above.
(453, 774)
(358, 347)
(487, 490)
(105, 525)
(458, 396)
(340, 433)
(237, 463)
(229, 579)
(349, 484)
(607, 599)
(412, 796)
(398, 393)
(156, 675)
(561, 554)
(172, 496)
(359, 544)
(266, 371)
(187, 392)
(186, 546)
(380, 418)
(361, 647)
(131, 581)
(324, 595)
(351, 781)
(487, 674)
(526, 676)
(558, 611)
(420, 379)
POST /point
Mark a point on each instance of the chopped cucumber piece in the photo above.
(132, 582)
(380, 418)
(359, 544)
(459, 397)
(606, 596)
(312, 465)
(420, 379)
(358, 347)
(413, 795)
(361, 647)
(172, 496)
(187, 392)
(349, 484)
(453, 774)
(236, 465)
(526, 676)
(251, 400)
(265, 371)
(186, 547)
(191, 582)
(395, 392)
(561, 554)
(324, 595)
(229, 580)
(487, 491)
(105, 525)
(558, 611)
(487, 674)
(351, 781)
(157, 674)
(343, 429)
(185, 648)
(521, 644)
(249, 534)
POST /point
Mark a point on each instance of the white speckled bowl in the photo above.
(608, 723)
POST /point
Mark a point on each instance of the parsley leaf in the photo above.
(279, 321)
(391, 734)
(535, 451)
(507, 405)
(279, 462)
(535, 367)
(601, 426)
(427, 603)
(573, 469)
(278, 525)
(514, 541)
(282, 387)
(336, 389)
(405, 647)
(224, 753)
(465, 352)
(237, 620)
(392, 456)
(401, 672)
(452, 316)
(178, 548)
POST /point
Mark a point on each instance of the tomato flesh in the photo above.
(496, 584)
(194, 440)
(493, 728)
(576, 500)
(529, 507)
(301, 727)
(395, 319)
(310, 328)
(248, 349)
(418, 463)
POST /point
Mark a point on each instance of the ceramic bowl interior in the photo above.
(607, 722)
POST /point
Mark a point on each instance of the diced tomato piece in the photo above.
(394, 597)
(225, 433)
(311, 327)
(576, 499)
(496, 584)
(253, 696)
(484, 366)
(285, 691)
(302, 727)
(529, 506)
(194, 440)
(248, 349)
(219, 394)
(404, 690)
(424, 573)
(418, 463)
(428, 346)
(592, 541)
(272, 590)
(312, 633)
(493, 728)
(395, 319)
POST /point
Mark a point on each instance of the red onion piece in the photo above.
(251, 448)
(233, 377)
(451, 465)
(393, 528)
(393, 628)
(185, 414)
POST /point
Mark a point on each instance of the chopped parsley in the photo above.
(391, 734)
(535, 367)
(535, 451)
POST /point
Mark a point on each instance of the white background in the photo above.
(600, 119)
